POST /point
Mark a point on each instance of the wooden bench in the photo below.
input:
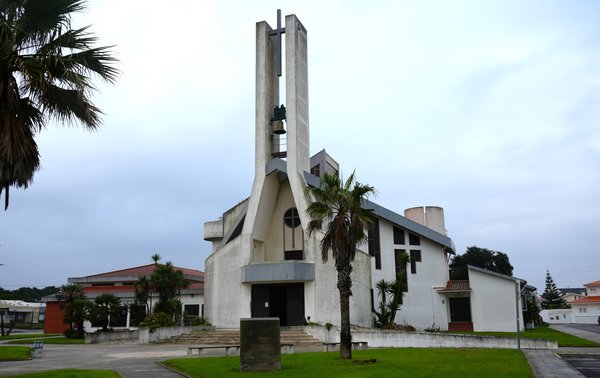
(289, 348)
(356, 345)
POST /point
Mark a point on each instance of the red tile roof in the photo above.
(595, 283)
(594, 299)
(456, 285)
(144, 270)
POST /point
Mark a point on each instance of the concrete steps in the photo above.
(295, 335)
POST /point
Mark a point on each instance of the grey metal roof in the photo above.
(500, 275)
(396, 218)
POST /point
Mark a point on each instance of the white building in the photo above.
(121, 283)
(586, 310)
(264, 263)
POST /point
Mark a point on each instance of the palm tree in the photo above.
(106, 307)
(45, 73)
(73, 303)
(335, 208)
(143, 293)
(167, 282)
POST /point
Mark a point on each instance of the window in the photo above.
(291, 218)
(316, 170)
(192, 310)
(401, 269)
(413, 239)
(293, 235)
(398, 236)
(374, 243)
(415, 256)
(582, 310)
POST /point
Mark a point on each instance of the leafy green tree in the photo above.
(480, 257)
(76, 312)
(76, 308)
(28, 294)
(552, 296)
(143, 293)
(105, 307)
(335, 208)
(167, 283)
(46, 70)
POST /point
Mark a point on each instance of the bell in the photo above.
(278, 127)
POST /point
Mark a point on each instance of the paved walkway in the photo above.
(131, 360)
(547, 363)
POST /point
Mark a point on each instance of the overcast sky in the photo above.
(489, 109)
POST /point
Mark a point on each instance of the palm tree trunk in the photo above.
(344, 285)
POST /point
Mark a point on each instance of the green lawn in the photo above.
(71, 373)
(29, 336)
(49, 340)
(14, 353)
(562, 339)
(397, 362)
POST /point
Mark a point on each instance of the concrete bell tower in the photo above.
(294, 144)
(293, 147)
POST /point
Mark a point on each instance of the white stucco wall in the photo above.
(585, 313)
(557, 316)
(493, 306)
(222, 281)
(422, 306)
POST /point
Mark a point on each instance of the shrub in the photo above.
(157, 320)
(74, 333)
(432, 328)
(201, 321)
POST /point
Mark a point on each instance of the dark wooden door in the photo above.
(278, 303)
(295, 304)
(260, 301)
(460, 309)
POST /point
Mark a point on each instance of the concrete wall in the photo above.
(222, 294)
(493, 303)
(322, 301)
(107, 337)
(393, 339)
(557, 316)
(164, 333)
(585, 313)
(284, 201)
(422, 306)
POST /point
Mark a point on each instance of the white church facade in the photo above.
(264, 263)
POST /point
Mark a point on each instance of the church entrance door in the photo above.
(283, 301)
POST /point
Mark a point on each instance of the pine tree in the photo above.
(552, 296)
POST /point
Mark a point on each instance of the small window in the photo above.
(291, 218)
(401, 269)
(374, 244)
(415, 256)
(413, 239)
(192, 310)
(316, 170)
(398, 236)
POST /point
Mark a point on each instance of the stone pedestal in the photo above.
(260, 344)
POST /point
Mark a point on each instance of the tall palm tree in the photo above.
(46, 71)
(73, 303)
(335, 208)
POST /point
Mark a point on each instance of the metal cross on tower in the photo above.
(277, 33)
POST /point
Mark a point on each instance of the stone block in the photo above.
(260, 344)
